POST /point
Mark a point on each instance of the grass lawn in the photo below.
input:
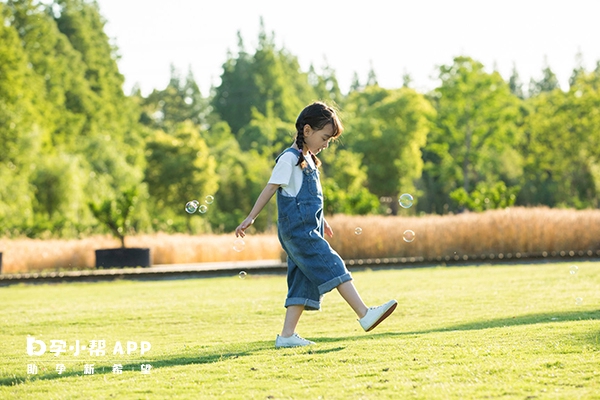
(511, 331)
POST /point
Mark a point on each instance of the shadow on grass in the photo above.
(530, 319)
(223, 353)
(101, 368)
(324, 351)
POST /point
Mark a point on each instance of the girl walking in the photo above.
(314, 268)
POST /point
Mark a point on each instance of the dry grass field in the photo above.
(512, 232)
(509, 233)
(30, 255)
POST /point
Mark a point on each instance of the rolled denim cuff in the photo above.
(333, 283)
(308, 304)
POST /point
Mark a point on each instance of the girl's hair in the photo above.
(316, 115)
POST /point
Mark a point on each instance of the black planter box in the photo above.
(123, 257)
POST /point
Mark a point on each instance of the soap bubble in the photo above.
(408, 236)
(209, 199)
(239, 245)
(202, 209)
(578, 301)
(358, 230)
(406, 200)
(191, 206)
(243, 274)
(573, 269)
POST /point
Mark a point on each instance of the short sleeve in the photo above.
(282, 173)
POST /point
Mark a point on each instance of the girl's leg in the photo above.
(292, 316)
(350, 294)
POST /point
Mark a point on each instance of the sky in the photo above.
(394, 37)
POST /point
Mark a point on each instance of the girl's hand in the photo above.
(239, 231)
(327, 228)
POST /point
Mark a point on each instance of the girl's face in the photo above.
(317, 140)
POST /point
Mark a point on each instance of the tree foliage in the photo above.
(78, 156)
(474, 133)
(389, 127)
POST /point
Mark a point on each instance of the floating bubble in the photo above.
(358, 230)
(191, 206)
(239, 245)
(573, 269)
(243, 274)
(578, 301)
(408, 236)
(202, 209)
(406, 200)
(209, 199)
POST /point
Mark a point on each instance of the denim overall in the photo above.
(314, 268)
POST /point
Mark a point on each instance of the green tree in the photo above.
(65, 98)
(242, 176)
(372, 76)
(389, 128)
(485, 197)
(71, 133)
(356, 86)
(266, 133)
(515, 84)
(345, 184)
(234, 97)
(578, 70)
(271, 77)
(325, 86)
(180, 168)
(178, 102)
(475, 136)
(562, 158)
(407, 80)
(59, 202)
(111, 138)
(547, 83)
(115, 213)
(21, 129)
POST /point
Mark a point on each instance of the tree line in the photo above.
(74, 145)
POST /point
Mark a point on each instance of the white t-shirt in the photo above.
(289, 175)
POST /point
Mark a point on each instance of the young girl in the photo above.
(314, 268)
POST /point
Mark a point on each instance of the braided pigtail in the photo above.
(300, 143)
(315, 160)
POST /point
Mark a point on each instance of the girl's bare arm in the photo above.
(261, 202)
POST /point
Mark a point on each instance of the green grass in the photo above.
(512, 331)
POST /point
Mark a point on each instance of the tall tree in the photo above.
(113, 115)
(237, 92)
(180, 101)
(475, 134)
(270, 77)
(515, 84)
(562, 158)
(578, 69)
(389, 127)
(547, 83)
(372, 76)
(326, 87)
(21, 127)
(180, 168)
(65, 92)
(345, 183)
(355, 86)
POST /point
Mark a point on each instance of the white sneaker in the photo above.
(293, 341)
(375, 315)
